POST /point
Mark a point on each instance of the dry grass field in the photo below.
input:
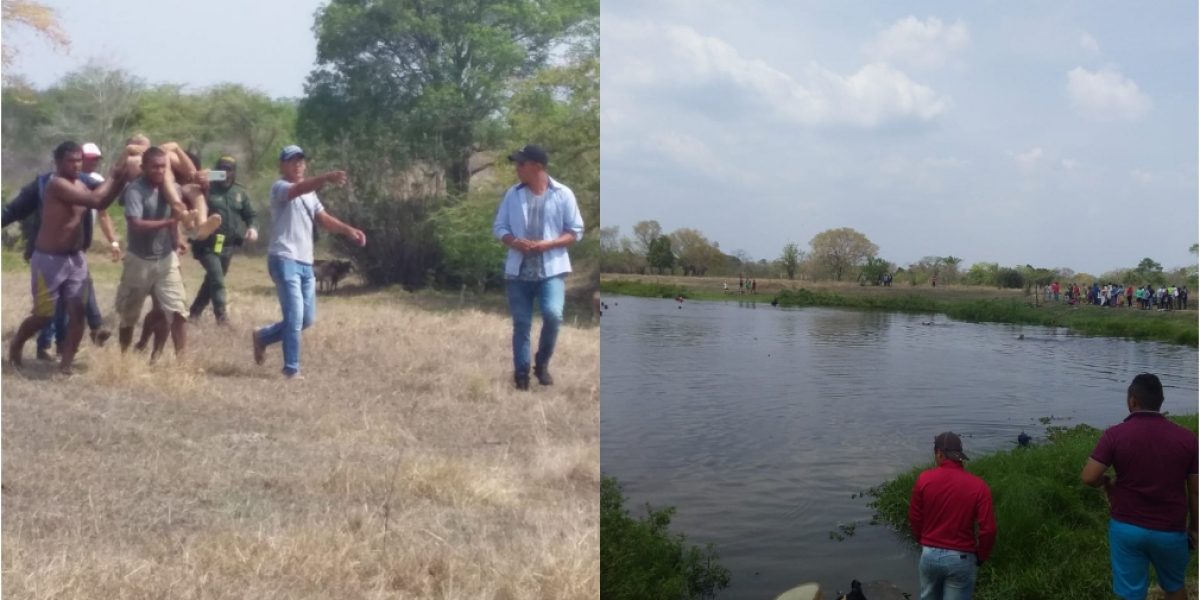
(404, 466)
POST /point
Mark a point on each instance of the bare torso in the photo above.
(61, 230)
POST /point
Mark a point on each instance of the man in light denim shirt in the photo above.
(538, 219)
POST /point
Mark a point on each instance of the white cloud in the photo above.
(1089, 43)
(1028, 160)
(930, 44)
(1141, 176)
(1069, 163)
(1106, 94)
(679, 60)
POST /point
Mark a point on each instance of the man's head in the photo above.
(292, 163)
(91, 157)
(154, 165)
(229, 165)
(1145, 393)
(531, 163)
(68, 159)
(948, 446)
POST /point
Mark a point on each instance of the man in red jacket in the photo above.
(947, 504)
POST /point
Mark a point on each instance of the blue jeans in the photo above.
(56, 330)
(550, 295)
(1133, 549)
(298, 299)
(947, 574)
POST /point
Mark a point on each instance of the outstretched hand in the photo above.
(358, 236)
(337, 178)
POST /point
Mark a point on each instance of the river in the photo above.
(759, 423)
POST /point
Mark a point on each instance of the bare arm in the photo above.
(1093, 473)
(331, 224)
(99, 198)
(313, 184)
(106, 226)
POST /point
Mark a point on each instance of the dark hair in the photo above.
(65, 148)
(195, 159)
(151, 154)
(1148, 391)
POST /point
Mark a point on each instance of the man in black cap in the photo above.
(538, 219)
(227, 199)
(947, 504)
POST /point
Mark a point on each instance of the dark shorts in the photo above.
(57, 275)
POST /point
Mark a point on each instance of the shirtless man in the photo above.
(184, 171)
(58, 266)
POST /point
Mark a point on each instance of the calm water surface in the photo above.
(759, 423)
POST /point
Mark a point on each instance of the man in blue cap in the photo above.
(295, 208)
(538, 219)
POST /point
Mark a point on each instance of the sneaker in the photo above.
(194, 319)
(44, 354)
(294, 377)
(260, 350)
(222, 320)
(543, 375)
(522, 380)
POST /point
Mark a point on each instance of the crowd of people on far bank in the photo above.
(1147, 297)
(173, 206)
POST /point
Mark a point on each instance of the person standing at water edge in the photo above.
(1152, 520)
(294, 209)
(947, 504)
(537, 220)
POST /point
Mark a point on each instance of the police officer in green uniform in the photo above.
(228, 199)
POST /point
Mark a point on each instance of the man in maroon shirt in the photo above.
(1152, 520)
(947, 504)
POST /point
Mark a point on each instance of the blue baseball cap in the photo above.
(290, 152)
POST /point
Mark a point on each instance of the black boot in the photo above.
(543, 375)
(521, 378)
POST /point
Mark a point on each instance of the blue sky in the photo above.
(993, 131)
(265, 44)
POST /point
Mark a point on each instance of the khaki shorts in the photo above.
(140, 278)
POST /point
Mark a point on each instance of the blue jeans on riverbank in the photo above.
(1133, 549)
(550, 295)
(56, 331)
(297, 291)
(947, 574)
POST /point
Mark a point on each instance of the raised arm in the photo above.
(99, 198)
(314, 184)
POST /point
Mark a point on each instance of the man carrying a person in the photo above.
(295, 208)
(152, 265)
(1153, 518)
(58, 265)
(538, 219)
(226, 199)
(947, 505)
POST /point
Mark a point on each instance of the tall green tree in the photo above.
(839, 251)
(426, 80)
(661, 256)
(790, 260)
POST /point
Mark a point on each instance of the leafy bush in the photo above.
(641, 559)
(1012, 279)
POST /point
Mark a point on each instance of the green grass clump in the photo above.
(641, 559)
(1052, 539)
(644, 290)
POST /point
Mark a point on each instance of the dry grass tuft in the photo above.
(404, 466)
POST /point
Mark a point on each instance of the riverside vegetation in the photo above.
(1053, 536)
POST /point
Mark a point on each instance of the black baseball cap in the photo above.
(529, 153)
(950, 445)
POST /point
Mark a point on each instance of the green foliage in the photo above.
(1052, 528)
(661, 256)
(641, 560)
(789, 261)
(640, 289)
(464, 234)
(874, 268)
(983, 273)
(426, 82)
(1010, 279)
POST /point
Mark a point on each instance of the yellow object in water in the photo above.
(804, 591)
(219, 244)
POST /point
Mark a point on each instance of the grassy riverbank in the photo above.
(1053, 540)
(971, 304)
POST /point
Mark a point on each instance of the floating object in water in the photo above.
(1023, 439)
(1021, 337)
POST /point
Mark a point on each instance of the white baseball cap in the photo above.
(90, 150)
